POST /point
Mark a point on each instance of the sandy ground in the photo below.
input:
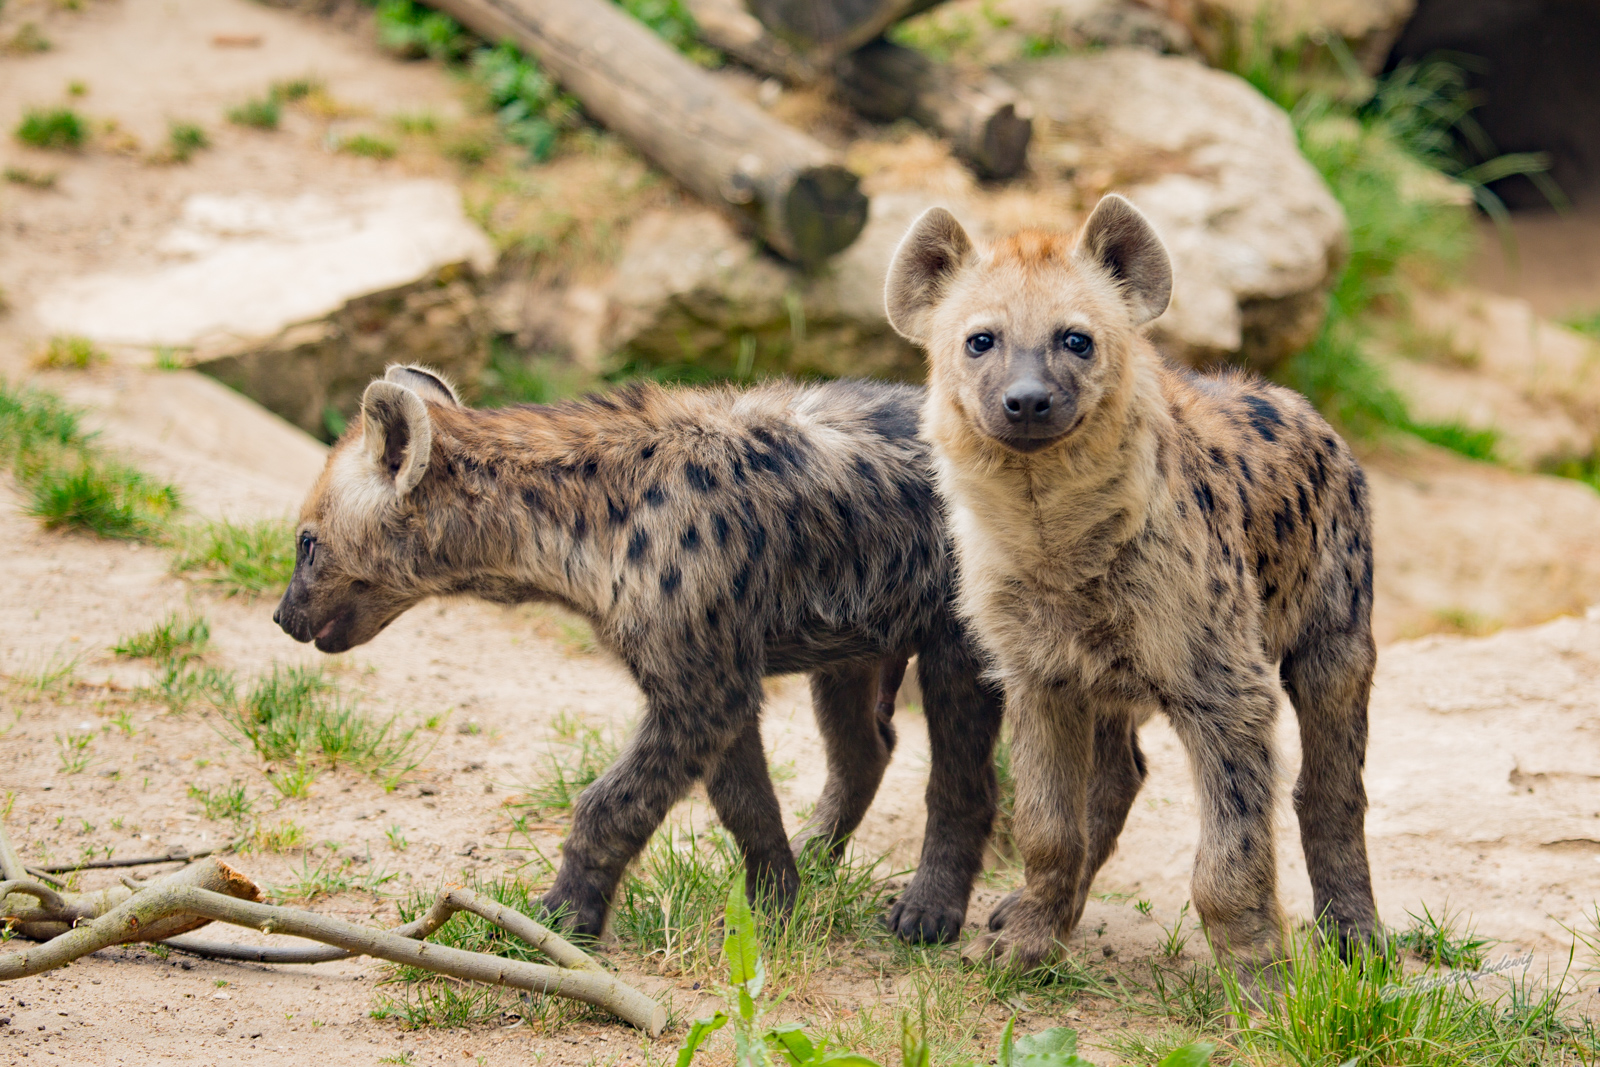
(1485, 755)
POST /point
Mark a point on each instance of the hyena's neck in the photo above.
(536, 507)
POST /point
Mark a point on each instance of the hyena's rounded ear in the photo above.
(396, 433)
(931, 253)
(430, 384)
(1120, 240)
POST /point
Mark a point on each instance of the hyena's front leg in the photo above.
(682, 736)
(1052, 759)
(1119, 773)
(1229, 736)
(740, 789)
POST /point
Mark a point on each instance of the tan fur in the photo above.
(1139, 539)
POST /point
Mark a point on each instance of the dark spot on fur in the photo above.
(741, 584)
(647, 451)
(638, 545)
(1244, 469)
(533, 500)
(1305, 503)
(671, 578)
(719, 526)
(1263, 416)
(1202, 497)
(690, 541)
(580, 526)
(616, 513)
(654, 496)
(700, 479)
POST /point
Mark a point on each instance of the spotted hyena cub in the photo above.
(1131, 538)
(711, 537)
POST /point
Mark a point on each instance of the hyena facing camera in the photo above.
(711, 537)
(1133, 538)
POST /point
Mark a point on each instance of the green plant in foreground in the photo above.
(240, 559)
(757, 1044)
(74, 752)
(296, 716)
(61, 129)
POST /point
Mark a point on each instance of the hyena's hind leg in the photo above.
(858, 736)
(963, 714)
(1328, 677)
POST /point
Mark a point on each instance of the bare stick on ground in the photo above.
(77, 924)
(988, 124)
(727, 25)
(788, 188)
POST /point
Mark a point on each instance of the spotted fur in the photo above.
(711, 537)
(1135, 538)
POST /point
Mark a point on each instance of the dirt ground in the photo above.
(1484, 771)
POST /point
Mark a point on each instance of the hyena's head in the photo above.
(358, 563)
(1027, 338)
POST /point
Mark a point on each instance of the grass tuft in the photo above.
(184, 139)
(64, 352)
(259, 113)
(590, 753)
(367, 146)
(223, 802)
(172, 637)
(33, 179)
(427, 999)
(61, 129)
(296, 716)
(239, 559)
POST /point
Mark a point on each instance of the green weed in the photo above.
(61, 129)
(590, 753)
(58, 674)
(28, 38)
(34, 179)
(329, 878)
(65, 352)
(296, 716)
(184, 139)
(180, 684)
(1436, 940)
(239, 559)
(222, 802)
(280, 838)
(1588, 325)
(173, 636)
(74, 752)
(100, 496)
(260, 113)
(367, 146)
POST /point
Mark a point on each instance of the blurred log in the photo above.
(785, 186)
(830, 28)
(987, 123)
(727, 25)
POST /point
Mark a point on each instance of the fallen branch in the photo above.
(73, 925)
(166, 902)
(175, 856)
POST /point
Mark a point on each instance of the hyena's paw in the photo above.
(1009, 950)
(584, 916)
(1002, 911)
(926, 921)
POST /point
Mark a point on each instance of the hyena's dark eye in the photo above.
(979, 343)
(1079, 344)
(308, 549)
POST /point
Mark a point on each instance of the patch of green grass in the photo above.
(223, 802)
(65, 352)
(33, 179)
(1588, 325)
(260, 113)
(1584, 469)
(67, 481)
(173, 636)
(74, 752)
(28, 38)
(1436, 940)
(425, 998)
(61, 129)
(297, 717)
(181, 684)
(184, 139)
(588, 754)
(367, 146)
(1474, 444)
(240, 559)
(293, 90)
(672, 21)
(286, 835)
(670, 906)
(328, 878)
(1368, 1010)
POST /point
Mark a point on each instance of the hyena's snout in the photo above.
(292, 619)
(1028, 401)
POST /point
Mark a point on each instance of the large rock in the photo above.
(298, 303)
(1256, 237)
(1369, 27)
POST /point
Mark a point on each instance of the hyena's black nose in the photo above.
(277, 615)
(1027, 401)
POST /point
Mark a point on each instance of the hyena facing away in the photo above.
(711, 537)
(1133, 538)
